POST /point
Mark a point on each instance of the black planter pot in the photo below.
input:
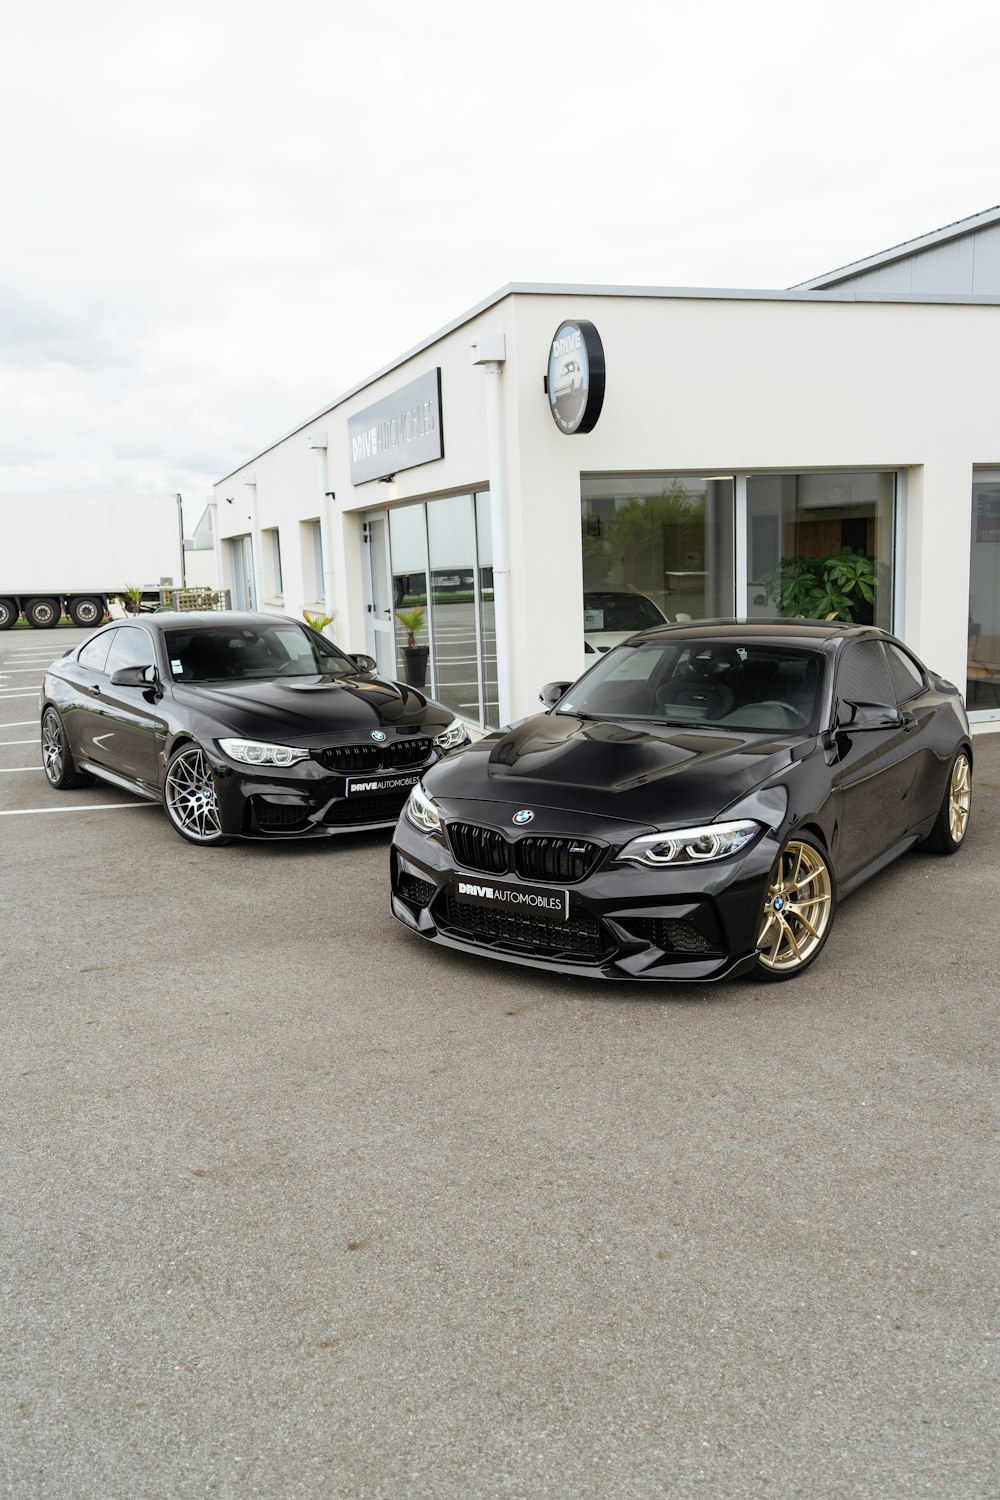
(415, 662)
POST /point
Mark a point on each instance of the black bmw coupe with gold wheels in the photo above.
(693, 807)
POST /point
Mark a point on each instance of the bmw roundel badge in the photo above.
(377, 734)
(522, 817)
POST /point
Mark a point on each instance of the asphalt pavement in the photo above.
(295, 1206)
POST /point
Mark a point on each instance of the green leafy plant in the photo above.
(132, 598)
(411, 621)
(318, 622)
(829, 588)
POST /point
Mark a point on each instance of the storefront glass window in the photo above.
(820, 546)
(654, 546)
(983, 670)
(442, 596)
(408, 551)
(451, 540)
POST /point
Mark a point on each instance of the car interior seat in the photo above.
(700, 687)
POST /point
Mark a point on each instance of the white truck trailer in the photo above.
(72, 553)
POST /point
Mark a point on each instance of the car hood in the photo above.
(641, 773)
(297, 708)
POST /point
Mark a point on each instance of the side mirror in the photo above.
(140, 677)
(552, 692)
(857, 718)
(363, 663)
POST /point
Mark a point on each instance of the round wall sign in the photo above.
(576, 377)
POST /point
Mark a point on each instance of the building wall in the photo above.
(704, 384)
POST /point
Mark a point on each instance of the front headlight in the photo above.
(255, 753)
(691, 846)
(422, 811)
(455, 734)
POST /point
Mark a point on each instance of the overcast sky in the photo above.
(216, 217)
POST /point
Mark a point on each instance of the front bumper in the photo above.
(308, 801)
(695, 923)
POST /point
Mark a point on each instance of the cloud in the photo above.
(219, 218)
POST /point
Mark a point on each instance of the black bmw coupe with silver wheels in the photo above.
(245, 726)
(693, 807)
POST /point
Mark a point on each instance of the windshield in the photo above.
(611, 611)
(208, 653)
(733, 684)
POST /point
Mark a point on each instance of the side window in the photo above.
(907, 678)
(863, 676)
(131, 647)
(95, 653)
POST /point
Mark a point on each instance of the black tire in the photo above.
(794, 931)
(57, 758)
(86, 611)
(43, 614)
(9, 613)
(952, 822)
(189, 798)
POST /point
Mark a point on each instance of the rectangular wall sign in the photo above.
(398, 432)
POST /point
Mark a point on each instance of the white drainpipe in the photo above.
(490, 351)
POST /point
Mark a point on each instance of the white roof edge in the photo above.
(953, 231)
(585, 289)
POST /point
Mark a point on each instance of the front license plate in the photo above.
(539, 900)
(373, 785)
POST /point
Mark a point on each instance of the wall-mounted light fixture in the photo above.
(386, 478)
(330, 494)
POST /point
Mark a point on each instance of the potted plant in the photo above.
(841, 587)
(320, 623)
(132, 598)
(414, 656)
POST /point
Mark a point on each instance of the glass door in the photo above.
(241, 572)
(379, 633)
(982, 674)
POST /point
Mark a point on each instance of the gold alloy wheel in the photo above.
(959, 798)
(797, 911)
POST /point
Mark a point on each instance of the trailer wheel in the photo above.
(8, 613)
(86, 611)
(42, 613)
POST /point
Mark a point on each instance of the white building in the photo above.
(472, 479)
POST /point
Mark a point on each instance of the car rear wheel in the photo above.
(798, 910)
(189, 797)
(57, 759)
(952, 823)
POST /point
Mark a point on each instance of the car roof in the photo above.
(223, 619)
(815, 633)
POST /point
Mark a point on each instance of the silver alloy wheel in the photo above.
(189, 797)
(53, 748)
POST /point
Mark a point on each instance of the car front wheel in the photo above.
(57, 759)
(798, 910)
(189, 797)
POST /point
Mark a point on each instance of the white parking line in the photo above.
(22, 671)
(17, 770)
(22, 812)
(14, 693)
(19, 724)
(16, 742)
